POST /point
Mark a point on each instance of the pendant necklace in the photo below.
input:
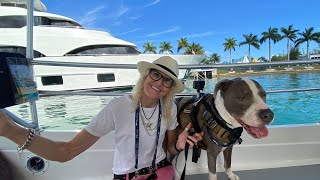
(146, 121)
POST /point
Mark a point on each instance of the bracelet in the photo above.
(26, 144)
(175, 147)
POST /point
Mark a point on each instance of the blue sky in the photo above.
(207, 22)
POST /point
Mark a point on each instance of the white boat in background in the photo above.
(61, 39)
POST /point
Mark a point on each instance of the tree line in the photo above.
(271, 36)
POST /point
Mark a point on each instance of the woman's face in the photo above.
(157, 84)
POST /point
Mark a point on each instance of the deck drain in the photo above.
(36, 165)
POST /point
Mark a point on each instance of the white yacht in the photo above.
(61, 39)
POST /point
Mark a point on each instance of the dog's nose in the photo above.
(266, 115)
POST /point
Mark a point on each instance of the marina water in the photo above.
(74, 112)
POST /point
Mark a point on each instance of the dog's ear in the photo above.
(221, 85)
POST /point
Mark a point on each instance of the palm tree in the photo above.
(195, 48)
(149, 48)
(307, 36)
(271, 34)
(165, 47)
(182, 44)
(230, 45)
(291, 35)
(215, 58)
(251, 40)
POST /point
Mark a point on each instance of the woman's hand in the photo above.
(184, 138)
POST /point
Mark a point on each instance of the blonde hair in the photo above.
(167, 100)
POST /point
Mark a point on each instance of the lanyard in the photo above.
(137, 137)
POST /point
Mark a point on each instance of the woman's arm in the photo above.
(44, 147)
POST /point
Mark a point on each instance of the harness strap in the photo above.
(183, 107)
(193, 114)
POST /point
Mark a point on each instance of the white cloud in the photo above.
(173, 29)
(134, 17)
(208, 53)
(152, 3)
(121, 11)
(131, 31)
(198, 35)
(94, 11)
(91, 16)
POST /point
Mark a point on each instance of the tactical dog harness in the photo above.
(203, 114)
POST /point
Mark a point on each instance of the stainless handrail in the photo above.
(32, 125)
(134, 66)
(29, 56)
(56, 93)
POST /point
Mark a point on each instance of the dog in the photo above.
(234, 105)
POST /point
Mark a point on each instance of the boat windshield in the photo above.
(103, 50)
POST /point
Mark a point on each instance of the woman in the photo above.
(140, 122)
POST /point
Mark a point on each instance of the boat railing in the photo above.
(206, 66)
(34, 123)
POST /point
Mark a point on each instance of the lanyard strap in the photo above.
(137, 137)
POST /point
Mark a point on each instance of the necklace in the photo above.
(148, 126)
(148, 118)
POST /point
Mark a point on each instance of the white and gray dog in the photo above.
(234, 105)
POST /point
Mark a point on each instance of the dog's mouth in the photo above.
(256, 132)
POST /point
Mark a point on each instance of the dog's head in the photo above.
(242, 102)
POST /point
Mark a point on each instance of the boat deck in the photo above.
(309, 172)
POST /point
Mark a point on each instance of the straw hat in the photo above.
(168, 66)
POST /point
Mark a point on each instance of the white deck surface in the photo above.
(310, 172)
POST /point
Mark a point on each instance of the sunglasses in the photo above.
(156, 76)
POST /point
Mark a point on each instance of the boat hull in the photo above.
(79, 78)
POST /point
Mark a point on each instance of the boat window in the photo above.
(44, 21)
(103, 50)
(13, 21)
(60, 23)
(106, 77)
(21, 21)
(20, 50)
(14, 4)
(51, 80)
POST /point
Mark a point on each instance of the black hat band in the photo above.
(169, 70)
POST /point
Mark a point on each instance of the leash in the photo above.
(186, 150)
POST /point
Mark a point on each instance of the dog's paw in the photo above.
(212, 176)
(232, 176)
